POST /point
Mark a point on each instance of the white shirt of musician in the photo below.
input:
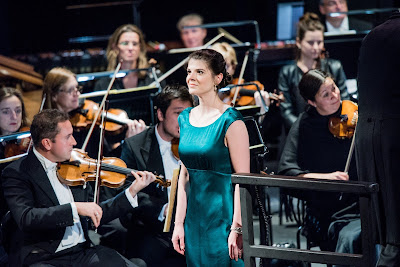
(73, 234)
(170, 163)
(342, 28)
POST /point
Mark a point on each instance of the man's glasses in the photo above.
(73, 90)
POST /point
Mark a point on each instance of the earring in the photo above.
(216, 88)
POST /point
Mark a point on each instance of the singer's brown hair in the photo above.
(215, 62)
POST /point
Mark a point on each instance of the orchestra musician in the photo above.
(53, 217)
(312, 151)
(127, 44)
(214, 143)
(151, 150)
(310, 45)
(12, 119)
(62, 91)
(12, 113)
(342, 22)
(191, 37)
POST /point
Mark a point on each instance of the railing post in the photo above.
(247, 226)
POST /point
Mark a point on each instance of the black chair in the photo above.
(11, 239)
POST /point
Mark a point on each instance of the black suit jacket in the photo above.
(36, 210)
(142, 152)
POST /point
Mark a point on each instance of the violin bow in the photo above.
(101, 106)
(100, 152)
(350, 155)
(246, 57)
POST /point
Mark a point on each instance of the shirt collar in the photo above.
(47, 164)
(343, 27)
(161, 142)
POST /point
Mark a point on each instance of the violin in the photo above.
(116, 118)
(246, 94)
(17, 146)
(343, 126)
(81, 169)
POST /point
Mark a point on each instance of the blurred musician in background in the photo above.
(342, 22)
(62, 92)
(127, 44)
(192, 37)
(12, 119)
(310, 44)
(12, 113)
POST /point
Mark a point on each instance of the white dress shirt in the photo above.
(342, 28)
(73, 234)
(170, 163)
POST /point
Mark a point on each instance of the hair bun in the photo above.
(309, 16)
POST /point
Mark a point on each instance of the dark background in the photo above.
(46, 25)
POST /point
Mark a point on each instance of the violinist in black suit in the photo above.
(52, 217)
(151, 150)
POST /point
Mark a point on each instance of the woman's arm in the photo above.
(237, 140)
(178, 237)
(337, 175)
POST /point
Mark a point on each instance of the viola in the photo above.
(175, 147)
(81, 169)
(116, 118)
(17, 146)
(343, 126)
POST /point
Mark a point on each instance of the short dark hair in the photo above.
(215, 62)
(45, 125)
(311, 82)
(171, 92)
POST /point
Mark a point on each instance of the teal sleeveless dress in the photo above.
(210, 199)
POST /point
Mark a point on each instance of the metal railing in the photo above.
(364, 191)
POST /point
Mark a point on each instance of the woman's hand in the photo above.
(337, 176)
(178, 238)
(235, 244)
(258, 101)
